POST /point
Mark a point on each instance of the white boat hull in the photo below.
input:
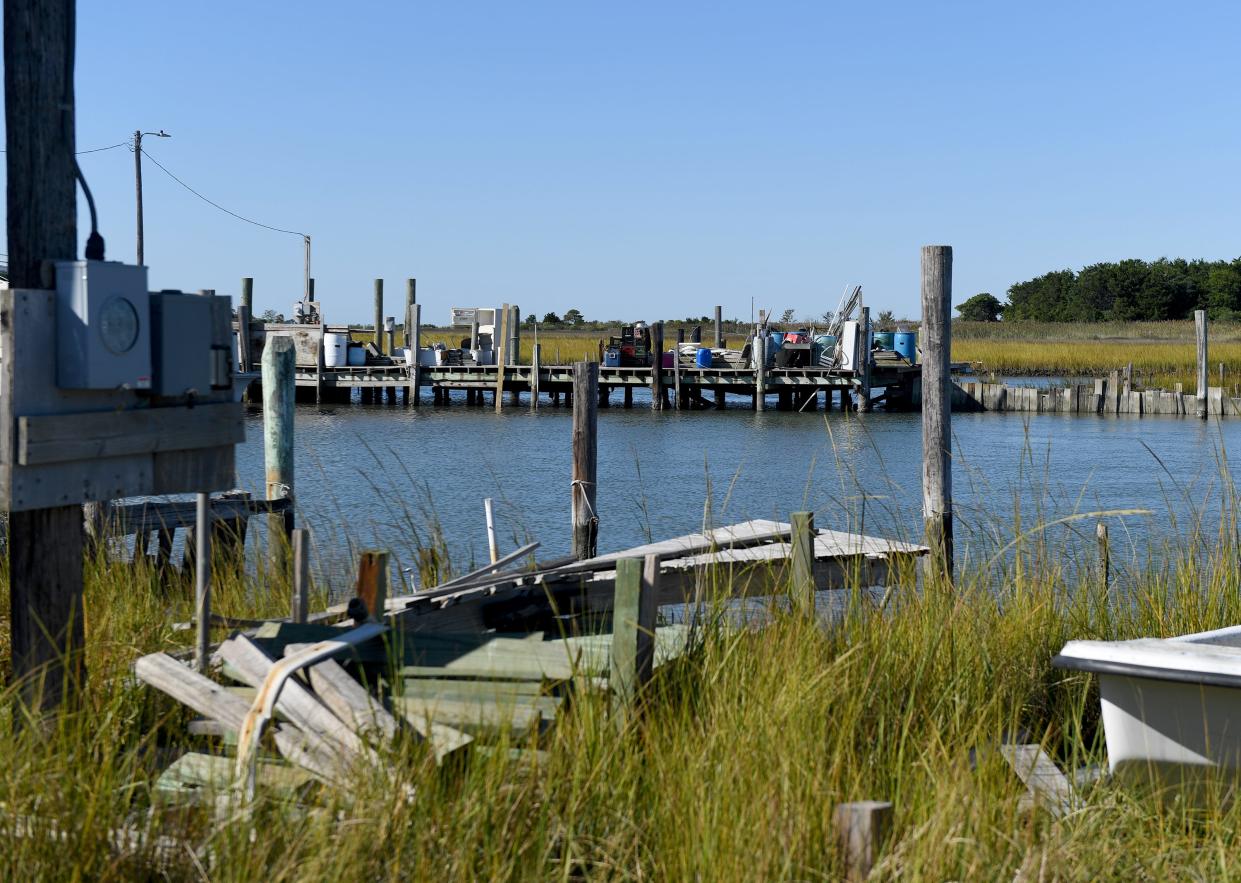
(1171, 708)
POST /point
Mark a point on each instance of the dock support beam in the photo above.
(379, 314)
(861, 829)
(801, 561)
(863, 404)
(657, 364)
(719, 327)
(1200, 333)
(278, 396)
(300, 611)
(585, 453)
(634, 608)
(414, 320)
(936, 405)
(760, 374)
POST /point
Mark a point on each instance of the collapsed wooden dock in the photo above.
(502, 651)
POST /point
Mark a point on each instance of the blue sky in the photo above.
(649, 160)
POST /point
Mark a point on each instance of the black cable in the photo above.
(216, 204)
(96, 149)
(94, 242)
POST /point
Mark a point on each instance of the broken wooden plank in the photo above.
(1048, 786)
(190, 688)
(195, 773)
(521, 715)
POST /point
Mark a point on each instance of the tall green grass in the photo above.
(730, 772)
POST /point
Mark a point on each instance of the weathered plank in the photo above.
(69, 437)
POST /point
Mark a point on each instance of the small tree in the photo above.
(272, 316)
(551, 319)
(574, 317)
(787, 316)
(886, 321)
(982, 307)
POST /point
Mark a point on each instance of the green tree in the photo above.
(574, 317)
(787, 316)
(886, 321)
(1223, 290)
(983, 307)
(551, 319)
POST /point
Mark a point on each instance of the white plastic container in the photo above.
(409, 356)
(357, 356)
(334, 350)
(483, 357)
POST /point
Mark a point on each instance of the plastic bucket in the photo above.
(906, 343)
(703, 357)
(886, 340)
(356, 355)
(334, 346)
(775, 340)
(611, 357)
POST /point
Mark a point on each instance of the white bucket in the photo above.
(334, 346)
(482, 357)
(408, 354)
(357, 355)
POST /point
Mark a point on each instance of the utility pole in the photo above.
(309, 292)
(138, 179)
(45, 545)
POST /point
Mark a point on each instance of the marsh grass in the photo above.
(730, 773)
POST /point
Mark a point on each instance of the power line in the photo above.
(216, 204)
(96, 149)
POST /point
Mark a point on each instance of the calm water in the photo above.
(380, 476)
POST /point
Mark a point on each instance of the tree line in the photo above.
(1129, 291)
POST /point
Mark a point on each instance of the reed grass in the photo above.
(730, 773)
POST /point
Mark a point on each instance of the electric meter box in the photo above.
(103, 335)
(191, 336)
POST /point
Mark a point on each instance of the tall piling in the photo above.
(936, 405)
(585, 452)
(719, 327)
(279, 390)
(1200, 333)
(379, 314)
(657, 365)
(863, 404)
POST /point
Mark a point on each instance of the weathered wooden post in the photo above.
(585, 453)
(863, 404)
(301, 575)
(247, 293)
(411, 292)
(493, 548)
(634, 608)
(514, 336)
(1200, 332)
(936, 404)
(414, 320)
(390, 332)
(500, 349)
(379, 314)
(202, 581)
(861, 829)
(801, 562)
(45, 545)
(243, 337)
(719, 327)
(760, 372)
(657, 366)
(278, 397)
(1105, 555)
(372, 585)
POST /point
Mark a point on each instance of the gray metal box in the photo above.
(182, 327)
(103, 336)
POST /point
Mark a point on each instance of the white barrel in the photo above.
(357, 355)
(334, 346)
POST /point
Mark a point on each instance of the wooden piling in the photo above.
(536, 364)
(499, 349)
(801, 562)
(864, 391)
(585, 516)
(247, 293)
(300, 607)
(278, 396)
(514, 336)
(1200, 334)
(634, 610)
(390, 333)
(372, 584)
(414, 318)
(760, 373)
(861, 829)
(936, 346)
(677, 395)
(719, 327)
(657, 364)
(379, 313)
(243, 338)
(46, 546)
(202, 581)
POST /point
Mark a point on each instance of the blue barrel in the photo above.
(611, 357)
(885, 340)
(906, 343)
(703, 358)
(775, 340)
(823, 343)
